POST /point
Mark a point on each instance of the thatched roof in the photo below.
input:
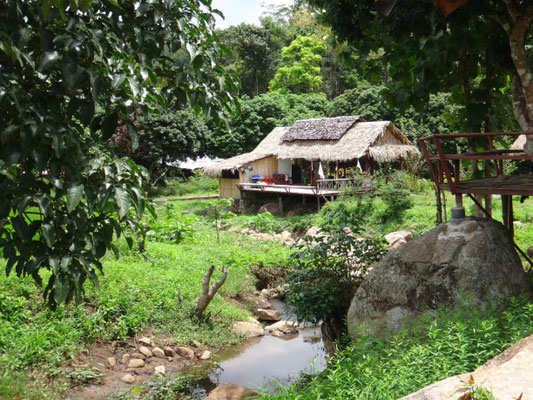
(320, 128)
(380, 140)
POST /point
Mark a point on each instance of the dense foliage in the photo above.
(170, 137)
(328, 267)
(64, 196)
(449, 343)
(261, 114)
(300, 69)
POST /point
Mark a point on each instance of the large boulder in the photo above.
(272, 208)
(506, 376)
(469, 260)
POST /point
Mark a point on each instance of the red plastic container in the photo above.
(269, 181)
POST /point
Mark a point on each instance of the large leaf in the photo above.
(123, 201)
(74, 194)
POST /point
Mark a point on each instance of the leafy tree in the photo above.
(300, 72)
(259, 116)
(470, 53)
(367, 101)
(170, 136)
(64, 194)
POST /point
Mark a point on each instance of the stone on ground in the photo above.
(145, 351)
(267, 315)
(157, 352)
(230, 391)
(160, 370)
(128, 378)
(262, 302)
(125, 358)
(204, 355)
(248, 329)
(136, 363)
(146, 341)
(273, 208)
(111, 362)
(185, 352)
(469, 260)
(397, 238)
(283, 327)
(506, 376)
(169, 352)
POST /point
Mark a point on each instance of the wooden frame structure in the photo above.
(445, 170)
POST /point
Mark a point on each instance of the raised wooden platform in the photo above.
(505, 185)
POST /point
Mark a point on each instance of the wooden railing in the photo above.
(335, 184)
(445, 169)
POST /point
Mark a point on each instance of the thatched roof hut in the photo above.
(350, 140)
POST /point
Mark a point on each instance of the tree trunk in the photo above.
(516, 26)
(208, 293)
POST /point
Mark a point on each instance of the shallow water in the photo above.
(260, 362)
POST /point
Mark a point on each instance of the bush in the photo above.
(171, 227)
(396, 196)
(329, 267)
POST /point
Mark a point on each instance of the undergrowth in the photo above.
(450, 344)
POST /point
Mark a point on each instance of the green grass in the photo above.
(196, 185)
(452, 343)
(136, 291)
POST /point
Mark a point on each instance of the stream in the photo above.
(266, 361)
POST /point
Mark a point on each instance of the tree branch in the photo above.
(208, 293)
(512, 9)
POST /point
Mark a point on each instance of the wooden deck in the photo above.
(287, 189)
(324, 187)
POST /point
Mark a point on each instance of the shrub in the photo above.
(171, 227)
(396, 196)
(329, 267)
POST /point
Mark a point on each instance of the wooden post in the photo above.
(439, 205)
(507, 213)
(303, 201)
(318, 202)
(280, 205)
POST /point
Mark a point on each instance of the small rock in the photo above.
(517, 223)
(128, 378)
(157, 352)
(185, 352)
(267, 315)
(146, 351)
(160, 370)
(282, 326)
(196, 343)
(138, 355)
(205, 355)
(286, 235)
(146, 341)
(136, 363)
(230, 391)
(262, 302)
(313, 231)
(125, 358)
(111, 362)
(248, 329)
(169, 351)
(276, 333)
(265, 292)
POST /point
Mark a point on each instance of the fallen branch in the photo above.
(209, 292)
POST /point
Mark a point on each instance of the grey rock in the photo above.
(125, 358)
(138, 355)
(464, 261)
(262, 302)
(273, 208)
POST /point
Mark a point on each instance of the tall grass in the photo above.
(384, 369)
